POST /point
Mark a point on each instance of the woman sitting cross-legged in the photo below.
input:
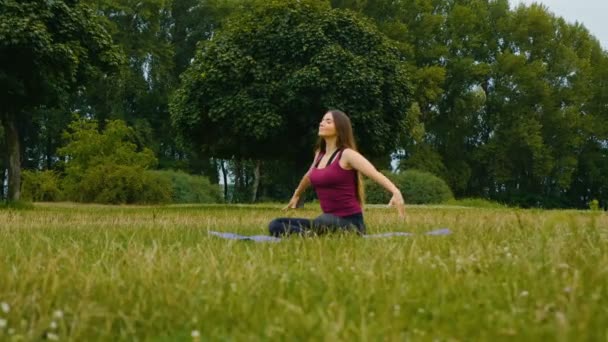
(335, 175)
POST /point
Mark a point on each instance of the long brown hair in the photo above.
(345, 139)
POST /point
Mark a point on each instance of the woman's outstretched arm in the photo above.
(355, 160)
(304, 184)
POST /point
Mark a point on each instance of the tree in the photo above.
(540, 86)
(47, 49)
(259, 88)
(3, 164)
(590, 180)
(159, 38)
(140, 92)
(511, 101)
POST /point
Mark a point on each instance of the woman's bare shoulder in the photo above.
(348, 152)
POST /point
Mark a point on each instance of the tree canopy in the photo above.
(505, 103)
(260, 87)
(47, 49)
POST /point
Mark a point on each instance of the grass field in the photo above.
(86, 272)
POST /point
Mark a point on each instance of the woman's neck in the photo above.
(330, 145)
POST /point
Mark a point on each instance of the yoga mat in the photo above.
(267, 238)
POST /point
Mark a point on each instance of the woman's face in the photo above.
(326, 126)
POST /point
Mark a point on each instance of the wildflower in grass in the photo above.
(524, 294)
(5, 307)
(3, 323)
(195, 334)
(58, 314)
(396, 310)
(561, 319)
(419, 332)
(52, 336)
(567, 289)
(53, 325)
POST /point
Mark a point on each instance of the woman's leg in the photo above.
(288, 225)
(322, 224)
(332, 223)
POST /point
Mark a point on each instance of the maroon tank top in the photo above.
(336, 188)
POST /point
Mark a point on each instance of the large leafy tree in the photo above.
(140, 92)
(159, 38)
(259, 88)
(511, 102)
(590, 179)
(47, 49)
(538, 111)
(417, 28)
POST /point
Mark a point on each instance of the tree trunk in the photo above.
(256, 180)
(213, 174)
(14, 157)
(239, 186)
(225, 176)
(2, 179)
(49, 155)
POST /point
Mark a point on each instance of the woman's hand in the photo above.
(398, 202)
(293, 202)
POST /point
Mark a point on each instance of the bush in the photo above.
(109, 167)
(188, 188)
(119, 184)
(594, 205)
(156, 189)
(417, 187)
(40, 186)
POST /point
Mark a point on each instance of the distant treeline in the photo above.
(507, 104)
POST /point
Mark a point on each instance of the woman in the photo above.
(336, 176)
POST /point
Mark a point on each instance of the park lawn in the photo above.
(92, 272)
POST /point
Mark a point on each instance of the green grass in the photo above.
(16, 205)
(153, 273)
(475, 203)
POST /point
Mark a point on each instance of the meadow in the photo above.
(89, 272)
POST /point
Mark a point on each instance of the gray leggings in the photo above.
(322, 224)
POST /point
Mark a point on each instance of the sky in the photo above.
(591, 13)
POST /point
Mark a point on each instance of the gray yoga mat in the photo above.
(267, 238)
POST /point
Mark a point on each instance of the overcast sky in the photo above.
(591, 13)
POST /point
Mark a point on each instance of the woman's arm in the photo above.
(355, 160)
(304, 184)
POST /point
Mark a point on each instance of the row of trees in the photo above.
(514, 102)
(502, 103)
